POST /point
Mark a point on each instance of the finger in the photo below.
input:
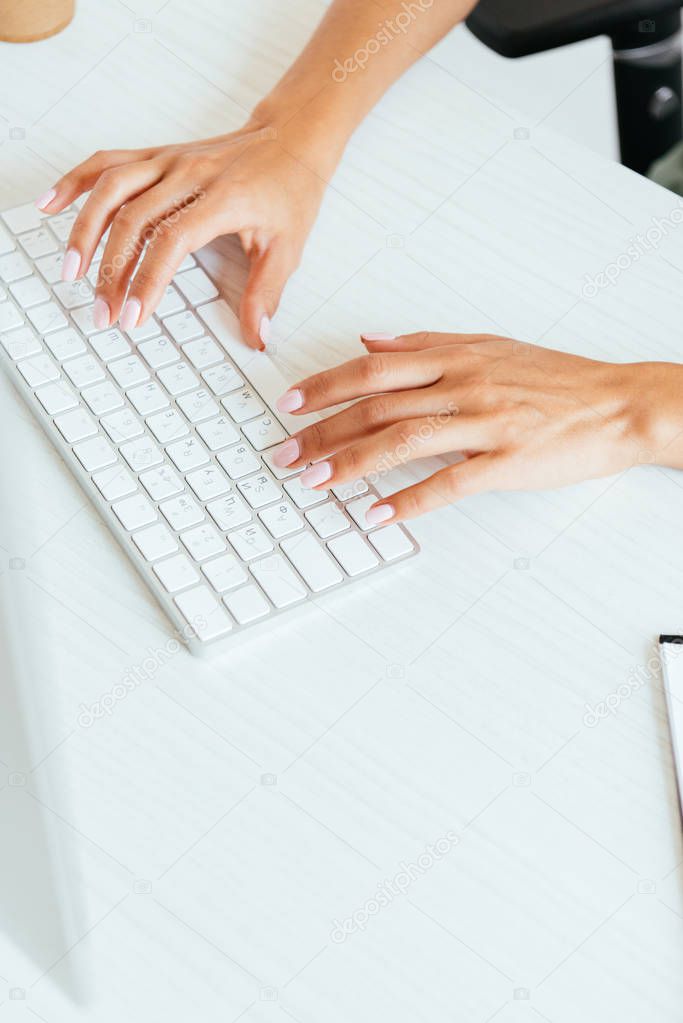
(381, 342)
(82, 177)
(359, 378)
(268, 275)
(474, 476)
(133, 227)
(112, 189)
(363, 419)
(174, 236)
(395, 445)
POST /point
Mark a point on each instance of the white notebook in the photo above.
(671, 653)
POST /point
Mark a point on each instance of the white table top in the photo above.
(266, 797)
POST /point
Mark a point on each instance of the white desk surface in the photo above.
(448, 695)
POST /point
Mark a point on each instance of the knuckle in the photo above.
(375, 411)
(126, 220)
(146, 278)
(312, 440)
(374, 367)
(194, 163)
(351, 462)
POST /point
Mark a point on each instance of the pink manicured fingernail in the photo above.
(379, 513)
(46, 199)
(287, 453)
(378, 337)
(290, 401)
(71, 265)
(264, 329)
(130, 314)
(316, 475)
(100, 314)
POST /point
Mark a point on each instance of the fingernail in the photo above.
(100, 314)
(130, 314)
(380, 336)
(264, 329)
(71, 265)
(379, 513)
(287, 453)
(317, 474)
(46, 199)
(290, 401)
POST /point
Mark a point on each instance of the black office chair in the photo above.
(646, 45)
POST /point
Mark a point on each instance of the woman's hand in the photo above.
(525, 417)
(177, 198)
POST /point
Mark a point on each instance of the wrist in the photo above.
(656, 412)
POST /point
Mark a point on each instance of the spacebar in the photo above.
(261, 371)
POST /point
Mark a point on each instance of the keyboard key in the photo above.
(141, 453)
(243, 405)
(76, 425)
(121, 426)
(264, 432)
(328, 520)
(65, 344)
(279, 581)
(155, 542)
(178, 379)
(188, 262)
(95, 454)
(239, 461)
(183, 326)
(148, 398)
(21, 343)
(221, 379)
(29, 292)
(358, 508)
(47, 317)
(158, 353)
(161, 483)
(203, 542)
(83, 371)
(391, 542)
(6, 242)
(201, 610)
(281, 520)
(167, 426)
(196, 286)
(218, 433)
(110, 344)
(22, 218)
(187, 454)
(73, 294)
(229, 512)
(102, 398)
(182, 512)
(142, 333)
(225, 573)
(56, 398)
(14, 266)
(40, 369)
(198, 406)
(353, 554)
(37, 243)
(209, 482)
(134, 512)
(128, 372)
(250, 542)
(50, 267)
(302, 496)
(61, 224)
(9, 317)
(114, 483)
(170, 303)
(260, 490)
(312, 563)
(247, 605)
(202, 352)
(176, 573)
(84, 321)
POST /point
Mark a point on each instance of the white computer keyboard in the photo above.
(170, 429)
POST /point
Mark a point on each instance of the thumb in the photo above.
(269, 273)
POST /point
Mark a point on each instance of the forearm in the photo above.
(359, 49)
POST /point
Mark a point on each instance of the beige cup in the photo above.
(25, 21)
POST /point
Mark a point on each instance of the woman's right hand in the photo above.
(177, 198)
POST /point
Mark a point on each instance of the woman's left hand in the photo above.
(525, 417)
